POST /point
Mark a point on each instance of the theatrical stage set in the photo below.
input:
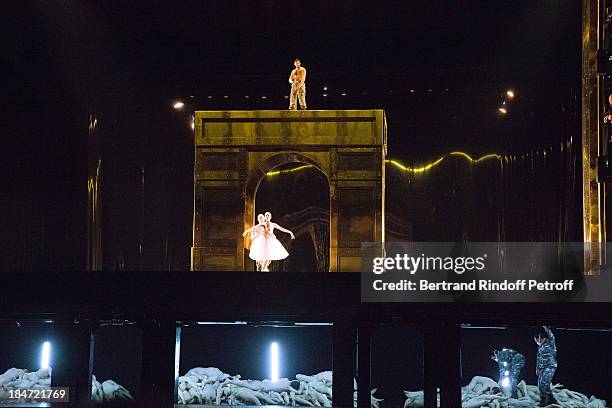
(240, 328)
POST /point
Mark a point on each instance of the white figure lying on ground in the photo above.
(210, 386)
(108, 391)
(485, 392)
(16, 379)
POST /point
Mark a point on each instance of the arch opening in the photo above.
(297, 193)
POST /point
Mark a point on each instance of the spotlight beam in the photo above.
(274, 362)
(45, 357)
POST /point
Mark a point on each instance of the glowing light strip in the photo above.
(218, 323)
(277, 172)
(274, 362)
(438, 161)
(489, 156)
(45, 355)
(467, 156)
(405, 168)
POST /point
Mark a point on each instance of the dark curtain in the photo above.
(527, 196)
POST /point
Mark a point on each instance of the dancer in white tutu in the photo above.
(258, 242)
(274, 250)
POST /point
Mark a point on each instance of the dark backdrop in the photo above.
(397, 363)
(118, 356)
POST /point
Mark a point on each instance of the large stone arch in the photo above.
(235, 149)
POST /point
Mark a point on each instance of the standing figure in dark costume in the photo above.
(546, 365)
(510, 362)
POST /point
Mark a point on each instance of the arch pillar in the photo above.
(333, 226)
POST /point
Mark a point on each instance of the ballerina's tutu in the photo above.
(258, 247)
(274, 250)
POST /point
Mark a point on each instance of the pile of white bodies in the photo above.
(211, 386)
(17, 379)
(108, 391)
(485, 392)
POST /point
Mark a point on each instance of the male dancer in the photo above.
(297, 79)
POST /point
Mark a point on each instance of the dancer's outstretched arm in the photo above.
(283, 229)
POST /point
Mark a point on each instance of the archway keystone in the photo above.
(235, 149)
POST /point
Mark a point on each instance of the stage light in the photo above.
(325, 94)
(45, 355)
(225, 96)
(246, 96)
(505, 382)
(412, 91)
(209, 97)
(510, 93)
(343, 94)
(263, 97)
(178, 105)
(502, 110)
(177, 352)
(325, 88)
(274, 372)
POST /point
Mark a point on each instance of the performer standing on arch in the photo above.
(274, 250)
(297, 79)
